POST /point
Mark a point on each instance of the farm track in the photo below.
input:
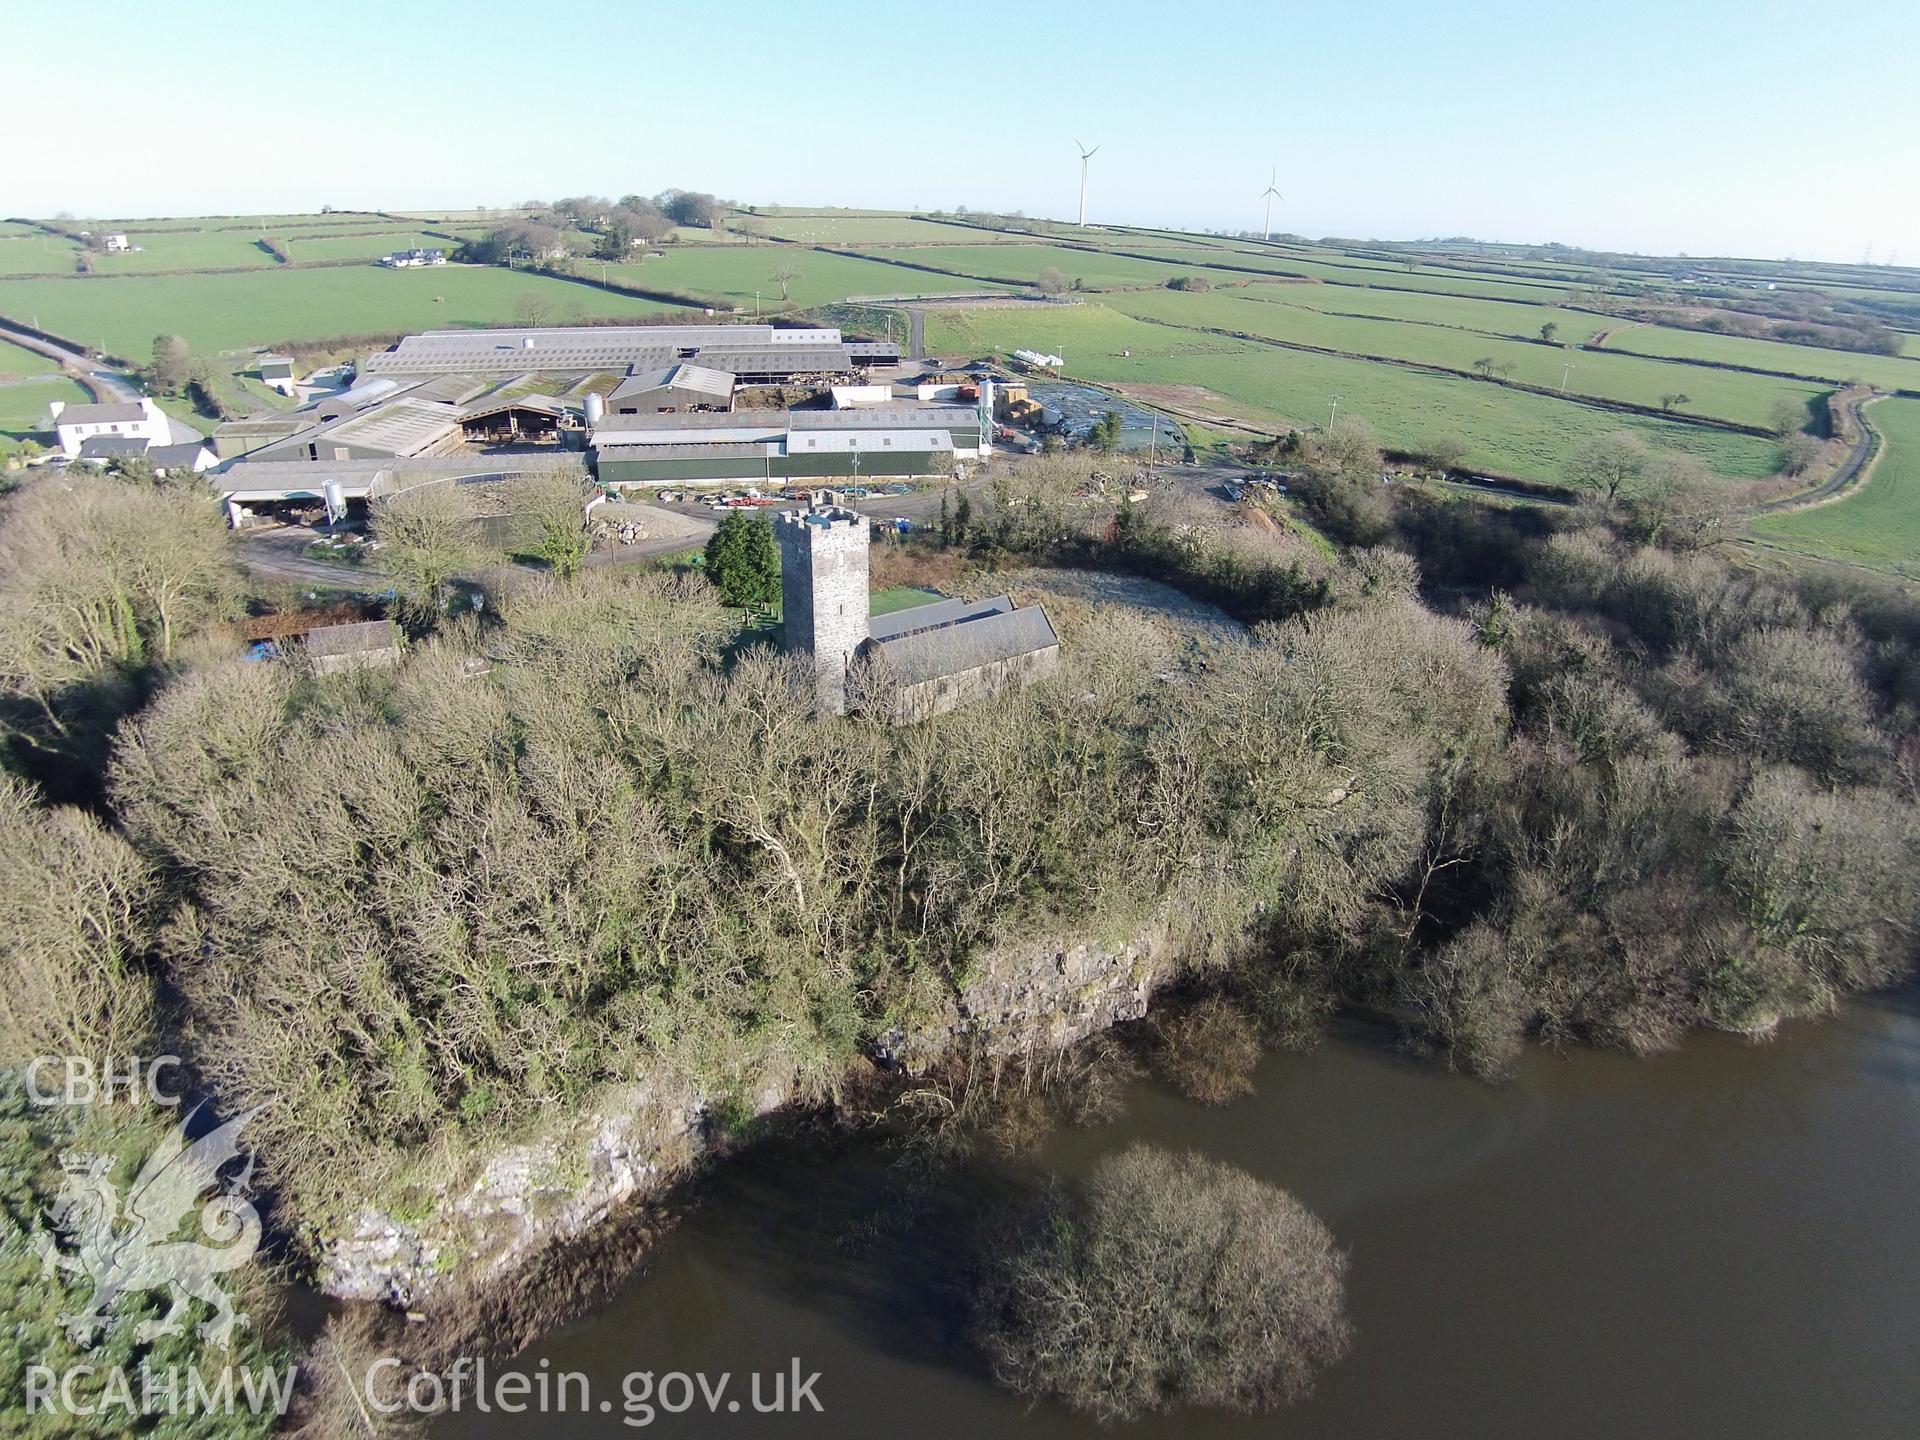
(1852, 473)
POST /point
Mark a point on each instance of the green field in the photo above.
(1888, 372)
(186, 250)
(308, 248)
(1722, 394)
(1878, 525)
(227, 312)
(34, 252)
(23, 407)
(729, 275)
(1022, 264)
(1508, 432)
(16, 361)
(1492, 317)
(866, 230)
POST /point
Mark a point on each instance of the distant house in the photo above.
(409, 259)
(117, 242)
(277, 373)
(140, 420)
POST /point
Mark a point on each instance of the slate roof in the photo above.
(935, 615)
(351, 639)
(115, 414)
(108, 447)
(917, 656)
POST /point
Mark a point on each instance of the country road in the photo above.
(104, 382)
(101, 380)
(1865, 444)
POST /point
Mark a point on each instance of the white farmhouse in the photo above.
(135, 419)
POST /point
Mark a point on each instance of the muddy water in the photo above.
(1718, 1243)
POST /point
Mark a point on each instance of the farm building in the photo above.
(678, 387)
(753, 354)
(140, 420)
(277, 373)
(910, 665)
(366, 645)
(773, 445)
(117, 243)
(189, 456)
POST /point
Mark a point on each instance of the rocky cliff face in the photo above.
(636, 1139)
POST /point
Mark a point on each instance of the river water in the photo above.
(1715, 1243)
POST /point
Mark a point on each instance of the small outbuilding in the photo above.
(277, 373)
(367, 645)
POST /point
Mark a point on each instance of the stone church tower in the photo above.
(823, 592)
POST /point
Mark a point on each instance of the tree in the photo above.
(962, 518)
(1210, 1051)
(532, 310)
(1680, 504)
(1549, 330)
(690, 207)
(1051, 281)
(100, 582)
(784, 274)
(1608, 465)
(75, 918)
(1446, 452)
(172, 365)
(554, 501)
(427, 535)
(1789, 416)
(743, 561)
(1675, 398)
(1484, 366)
(1798, 452)
(1168, 1280)
(1105, 434)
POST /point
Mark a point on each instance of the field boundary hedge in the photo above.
(1593, 402)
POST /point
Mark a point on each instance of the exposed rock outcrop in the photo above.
(635, 1139)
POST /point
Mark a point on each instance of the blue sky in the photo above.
(1707, 126)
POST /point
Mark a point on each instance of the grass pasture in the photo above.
(18, 363)
(1722, 394)
(308, 248)
(227, 312)
(867, 230)
(1877, 525)
(187, 250)
(730, 275)
(1508, 432)
(23, 407)
(34, 252)
(1887, 372)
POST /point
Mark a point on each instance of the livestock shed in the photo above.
(519, 417)
(753, 354)
(676, 388)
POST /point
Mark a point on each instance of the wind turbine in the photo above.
(1085, 155)
(1271, 195)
